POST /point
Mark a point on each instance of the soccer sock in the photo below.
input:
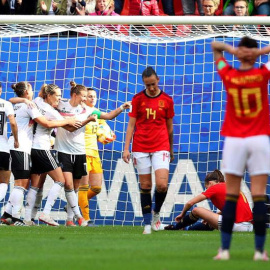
(37, 203)
(146, 204)
(3, 190)
(30, 202)
(186, 221)
(83, 201)
(259, 218)
(16, 200)
(93, 191)
(72, 205)
(8, 207)
(159, 199)
(52, 196)
(228, 218)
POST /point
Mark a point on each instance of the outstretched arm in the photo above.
(219, 47)
(189, 204)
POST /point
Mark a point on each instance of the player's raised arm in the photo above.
(219, 47)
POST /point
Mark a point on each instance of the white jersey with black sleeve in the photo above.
(42, 135)
(71, 142)
(25, 121)
(6, 109)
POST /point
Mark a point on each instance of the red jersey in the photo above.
(151, 113)
(217, 195)
(247, 108)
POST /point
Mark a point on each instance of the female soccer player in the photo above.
(90, 185)
(246, 129)
(151, 126)
(6, 112)
(20, 165)
(216, 192)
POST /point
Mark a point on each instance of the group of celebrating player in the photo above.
(150, 128)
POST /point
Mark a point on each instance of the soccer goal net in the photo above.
(109, 54)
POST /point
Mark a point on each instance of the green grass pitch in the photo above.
(118, 248)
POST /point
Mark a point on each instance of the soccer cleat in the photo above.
(82, 222)
(47, 219)
(170, 228)
(156, 224)
(70, 223)
(223, 255)
(147, 229)
(17, 222)
(261, 256)
(30, 222)
(91, 223)
(6, 219)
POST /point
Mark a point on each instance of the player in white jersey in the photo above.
(6, 112)
(20, 165)
(71, 146)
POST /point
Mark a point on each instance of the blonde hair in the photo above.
(109, 3)
(76, 88)
(48, 89)
(215, 2)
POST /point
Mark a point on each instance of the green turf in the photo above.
(119, 248)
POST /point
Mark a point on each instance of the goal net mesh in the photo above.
(111, 58)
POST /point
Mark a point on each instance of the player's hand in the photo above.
(74, 123)
(16, 144)
(126, 156)
(93, 118)
(171, 157)
(179, 217)
(126, 105)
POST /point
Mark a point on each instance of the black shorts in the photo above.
(20, 164)
(76, 164)
(4, 161)
(43, 161)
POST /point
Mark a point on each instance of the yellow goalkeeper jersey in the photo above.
(90, 136)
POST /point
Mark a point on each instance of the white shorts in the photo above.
(251, 153)
(237, 227)
(144, 162)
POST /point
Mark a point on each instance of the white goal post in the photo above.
(109, 54)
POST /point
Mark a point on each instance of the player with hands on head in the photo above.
(151, 127)
(90, 185)
(6, 113)
(216, 192)
(246, 129)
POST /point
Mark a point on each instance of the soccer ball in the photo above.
(104, 134)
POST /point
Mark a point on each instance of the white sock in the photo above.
(3, 190)
(16, 200)
(8, 207)
(37, 203)
(30, 202)
(72, 205)
(52, 196)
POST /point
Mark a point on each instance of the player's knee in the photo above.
(196, 212)
(96, 189)
(162, 188)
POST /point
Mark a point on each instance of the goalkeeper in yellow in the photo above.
(90, 185)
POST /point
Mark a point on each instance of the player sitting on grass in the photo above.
(216, 192)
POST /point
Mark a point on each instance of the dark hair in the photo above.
(48, 89)
(20, 87)
(76, 88)
(216, 176)
(148, 72)
(0, 85)
(248, 42)
(90, 89)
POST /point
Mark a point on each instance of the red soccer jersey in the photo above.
(247, 108)
(217, 195)
(151, 113)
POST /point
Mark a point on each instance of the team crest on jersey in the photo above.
(143, 103)
(161, 103)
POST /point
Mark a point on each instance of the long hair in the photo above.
(48, 89)
(76, 88)
(20, 88)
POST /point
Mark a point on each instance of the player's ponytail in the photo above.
(20, 88)
(76, 88)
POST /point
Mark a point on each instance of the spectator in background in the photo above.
(52, 7)
(262, 7)
(228, 7)
(10, 6)
(81, 7)
(145, 7)
(168, 7)
(189, 7)
(118, 6)
(105, 8)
